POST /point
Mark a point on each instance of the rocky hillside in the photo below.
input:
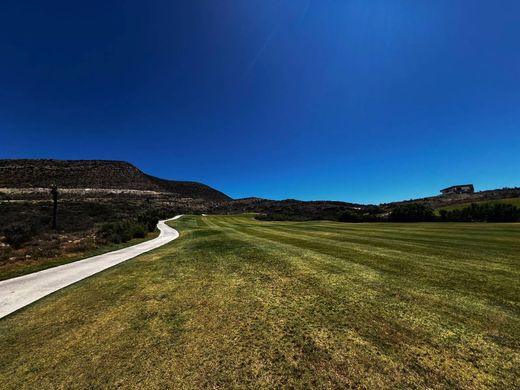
(80, 175)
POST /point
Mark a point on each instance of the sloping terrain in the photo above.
(91, 192)
(288, 209)
(97, 174)
(513, 201)
(441, 201)
(190, 189)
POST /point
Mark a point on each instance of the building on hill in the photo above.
(459, 189)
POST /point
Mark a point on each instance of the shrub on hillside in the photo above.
(18, 234)
(369, 214)
(502, 212)
(350, 216)
(374, 210)
(95, 209)
(412, 212)
(122, 231)
(149, 218)
(499, 212)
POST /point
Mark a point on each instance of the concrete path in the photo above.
(21, 291)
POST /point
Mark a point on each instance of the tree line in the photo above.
(416, 212)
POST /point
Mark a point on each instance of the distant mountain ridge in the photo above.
(97, 174)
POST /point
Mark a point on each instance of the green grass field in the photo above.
(513, 201)
(238, 303)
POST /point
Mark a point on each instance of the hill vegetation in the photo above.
(452, 200)
(93, 193)
(98, 203)
(512, 201)
(97, 174)
(286, 210)
(418, 212)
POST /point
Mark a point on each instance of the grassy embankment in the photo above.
(238, 303)
(513, 201)
(12, 269)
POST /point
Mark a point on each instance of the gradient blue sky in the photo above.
(364, 101)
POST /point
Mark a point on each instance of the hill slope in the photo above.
(452, 200)
(513, 201)
(97, 174)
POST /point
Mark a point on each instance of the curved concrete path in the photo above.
(21, 291)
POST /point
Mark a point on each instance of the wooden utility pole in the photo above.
(54, 193)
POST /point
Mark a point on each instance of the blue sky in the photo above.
(364, 101)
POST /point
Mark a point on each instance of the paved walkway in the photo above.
(21, 291)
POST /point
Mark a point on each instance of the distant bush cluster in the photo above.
(413, 212)
(283, 217)
(149, 219)
(18, 234)
(125, 230)
(369, 214)
(416, 212)
(487, 212)
(498, 212)
(122, 231)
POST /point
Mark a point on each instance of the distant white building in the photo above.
(459, 189)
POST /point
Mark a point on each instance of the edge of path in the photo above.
(18, 292)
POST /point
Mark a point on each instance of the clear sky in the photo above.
(356, 100)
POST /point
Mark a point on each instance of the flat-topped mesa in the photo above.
(97, 174)
(72, 174)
